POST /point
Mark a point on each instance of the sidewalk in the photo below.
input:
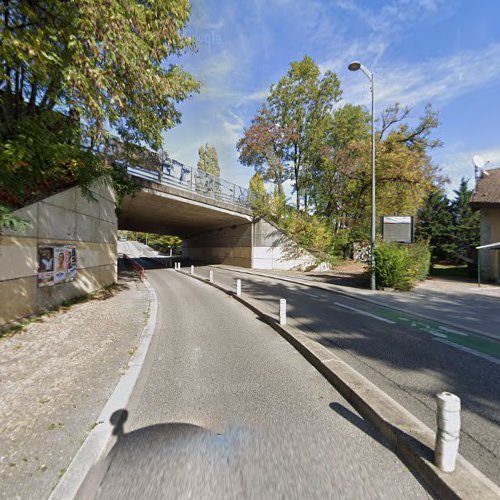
(459, 304)
(55, 377)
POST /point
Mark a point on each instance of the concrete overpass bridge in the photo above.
(211, 215)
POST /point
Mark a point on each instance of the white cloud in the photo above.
(438, 80)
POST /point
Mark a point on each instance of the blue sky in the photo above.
(446, 52)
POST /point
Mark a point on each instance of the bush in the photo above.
(401, 266)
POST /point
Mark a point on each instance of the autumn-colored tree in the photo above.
(280, 135)
(71, 71)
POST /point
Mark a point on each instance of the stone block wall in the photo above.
(64, 218)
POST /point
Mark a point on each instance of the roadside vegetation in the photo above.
(305, 136)
(78, 78)
(159, 242)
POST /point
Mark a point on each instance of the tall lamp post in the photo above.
(355, 66)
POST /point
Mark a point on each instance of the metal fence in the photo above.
(178, 175)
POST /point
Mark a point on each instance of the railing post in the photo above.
(190, 178)
(213, 187)
(234, 192)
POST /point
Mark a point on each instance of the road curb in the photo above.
(352, 295)
(411, 439)
(101, 439)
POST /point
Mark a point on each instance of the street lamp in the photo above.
(355, 66)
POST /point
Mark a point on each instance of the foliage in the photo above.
(258, 197)
(159, 242)
(327, 155)
(72, 71)
(401, 266)
(10, 221)
(208, 160)
(278, 140)
(435, 226)
(466, 223)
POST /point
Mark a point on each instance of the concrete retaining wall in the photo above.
(256, 245)
(229, 245)
(64, 218)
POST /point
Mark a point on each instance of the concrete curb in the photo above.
(411, 439)
(341, 291)
(100, 439)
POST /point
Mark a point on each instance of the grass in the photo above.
(101, 294)
(450, 271)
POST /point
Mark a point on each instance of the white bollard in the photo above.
(238, 288)
(282, 311)
(211, 276)
(448, 431)
(192, 269)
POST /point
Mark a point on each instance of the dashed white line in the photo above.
(364, 313)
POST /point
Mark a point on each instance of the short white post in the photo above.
(448, 431)
(178, 265)
(282, 311)
(238, 288)
(211, 276)
(192, 269)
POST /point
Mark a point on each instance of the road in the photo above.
(405, 358)
(225, 408)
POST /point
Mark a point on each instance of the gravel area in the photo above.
(55, 377)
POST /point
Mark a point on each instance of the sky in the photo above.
(443, 52)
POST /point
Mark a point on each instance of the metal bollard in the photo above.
(448, 431)
(238, 288)
(192, 270)
(211, 276)
(282, 311)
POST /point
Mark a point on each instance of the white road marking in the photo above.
(470, 351)
(364, 313)
(450, 330)
(437, 334)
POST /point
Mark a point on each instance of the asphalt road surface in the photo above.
(407, 361)
(225, 408)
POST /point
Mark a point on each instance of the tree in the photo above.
(71, 71)
(466, 222)
(435, 225)
(208, 160)
(404, 170)
(282, 132)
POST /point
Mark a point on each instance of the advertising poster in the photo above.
(45, 266)
(56, 264)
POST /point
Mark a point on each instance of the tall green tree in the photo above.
(71, 70)
(208, 160)
(281, 133)
(435, 225)
(466, 221)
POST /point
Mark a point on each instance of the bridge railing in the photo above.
(178, 175)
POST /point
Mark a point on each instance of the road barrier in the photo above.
(137, 267)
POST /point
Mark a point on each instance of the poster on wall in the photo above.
(56, 264)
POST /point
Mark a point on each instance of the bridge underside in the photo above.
(166, 210)
(213, 231)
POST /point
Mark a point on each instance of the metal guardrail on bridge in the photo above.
(191, 179)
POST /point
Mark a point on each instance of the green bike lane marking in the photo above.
(448, 334)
